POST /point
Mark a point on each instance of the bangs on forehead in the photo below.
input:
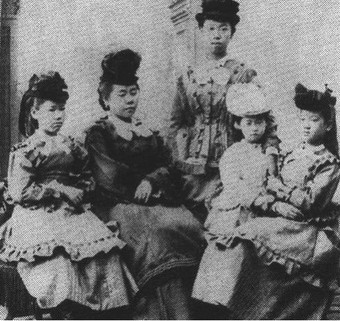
(38, 102)
(310, 112)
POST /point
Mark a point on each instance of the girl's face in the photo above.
(50, 116)
(217, 36)
(123, 100)
(253, 128)
(313, 127)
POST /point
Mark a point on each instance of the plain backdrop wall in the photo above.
(72, 37)
(285, 41)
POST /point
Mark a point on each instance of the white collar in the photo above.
(222, 61)
(211, 63)
(126, 130)
(313, 149)
(51, 142)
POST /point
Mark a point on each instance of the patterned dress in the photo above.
(164, 239)
(63, 251)
(201, 126)
(271, 267)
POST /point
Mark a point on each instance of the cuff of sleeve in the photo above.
(271, 150)
(153, 183)
(273, 209)
(284, 193)
(296, 197)
(54, 188)
(249, 201)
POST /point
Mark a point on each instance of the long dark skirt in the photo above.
(165, 245)
(238, 280)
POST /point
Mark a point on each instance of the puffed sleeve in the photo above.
(241, 73)
(21, 179)
(318, 192)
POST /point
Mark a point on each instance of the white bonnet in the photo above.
(246, 100)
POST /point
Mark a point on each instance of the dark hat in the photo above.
(313, 100)
(49, 86)
(120, 67)
(220, 10)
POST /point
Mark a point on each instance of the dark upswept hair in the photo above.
(46, 86)
(119, 68)
(324, 104)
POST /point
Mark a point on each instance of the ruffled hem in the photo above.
(77, 252)
(269, 257)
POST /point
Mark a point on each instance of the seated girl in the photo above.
(282, 263)
(243, 169)
(66, 256)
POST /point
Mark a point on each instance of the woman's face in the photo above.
(123, 100)
(217, 36)
(313, 127)
(50, 116)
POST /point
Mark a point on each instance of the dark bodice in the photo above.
(140, 154)
(119, 165)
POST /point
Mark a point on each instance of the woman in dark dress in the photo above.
(135, 187)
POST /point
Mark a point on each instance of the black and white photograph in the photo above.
(169, 160)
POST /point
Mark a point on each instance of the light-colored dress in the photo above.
(201, 126)
(243, 169)
(271, 267)
(63, 252)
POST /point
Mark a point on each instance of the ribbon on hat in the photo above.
(313, 100)
(246, 99)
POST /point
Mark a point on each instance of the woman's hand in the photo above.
(143, 191)
(263, 202)
(274, 185)
(75, 195)
(287, 210)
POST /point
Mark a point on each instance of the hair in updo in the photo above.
(324, 104)
(50, 86)
(119, 68)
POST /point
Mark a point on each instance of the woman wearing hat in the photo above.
(281, 261)
(67, 258)
(201, 125)
(134, 186)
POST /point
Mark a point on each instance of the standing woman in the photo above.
(201, 126)
(135, 188)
